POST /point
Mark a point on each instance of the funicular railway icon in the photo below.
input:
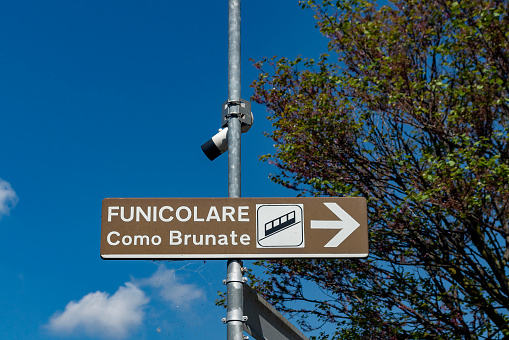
(279, 223)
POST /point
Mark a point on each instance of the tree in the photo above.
(409, 108)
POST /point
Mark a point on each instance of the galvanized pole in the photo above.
(234, 288)
(234, 98)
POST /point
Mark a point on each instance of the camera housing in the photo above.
(217, 145)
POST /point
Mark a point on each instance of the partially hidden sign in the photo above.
(226, 228)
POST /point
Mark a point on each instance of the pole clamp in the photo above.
(235, 315)
(243, 280)
(240, 109)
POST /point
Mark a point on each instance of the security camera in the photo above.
(217, 145)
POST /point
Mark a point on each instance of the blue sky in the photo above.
(114, 99)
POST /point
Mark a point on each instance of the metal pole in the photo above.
(234, 49)
(234, 98)
(235, 304)
(234, 288)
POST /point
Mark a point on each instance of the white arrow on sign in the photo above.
(347, 225)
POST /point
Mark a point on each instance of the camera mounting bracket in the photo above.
(237, 108)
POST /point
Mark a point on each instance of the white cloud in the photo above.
(98, 314)
(114, 317)
(170, 289)
(8, 198)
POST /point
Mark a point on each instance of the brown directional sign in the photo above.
(223, 228)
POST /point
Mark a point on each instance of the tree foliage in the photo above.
(409, 108)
